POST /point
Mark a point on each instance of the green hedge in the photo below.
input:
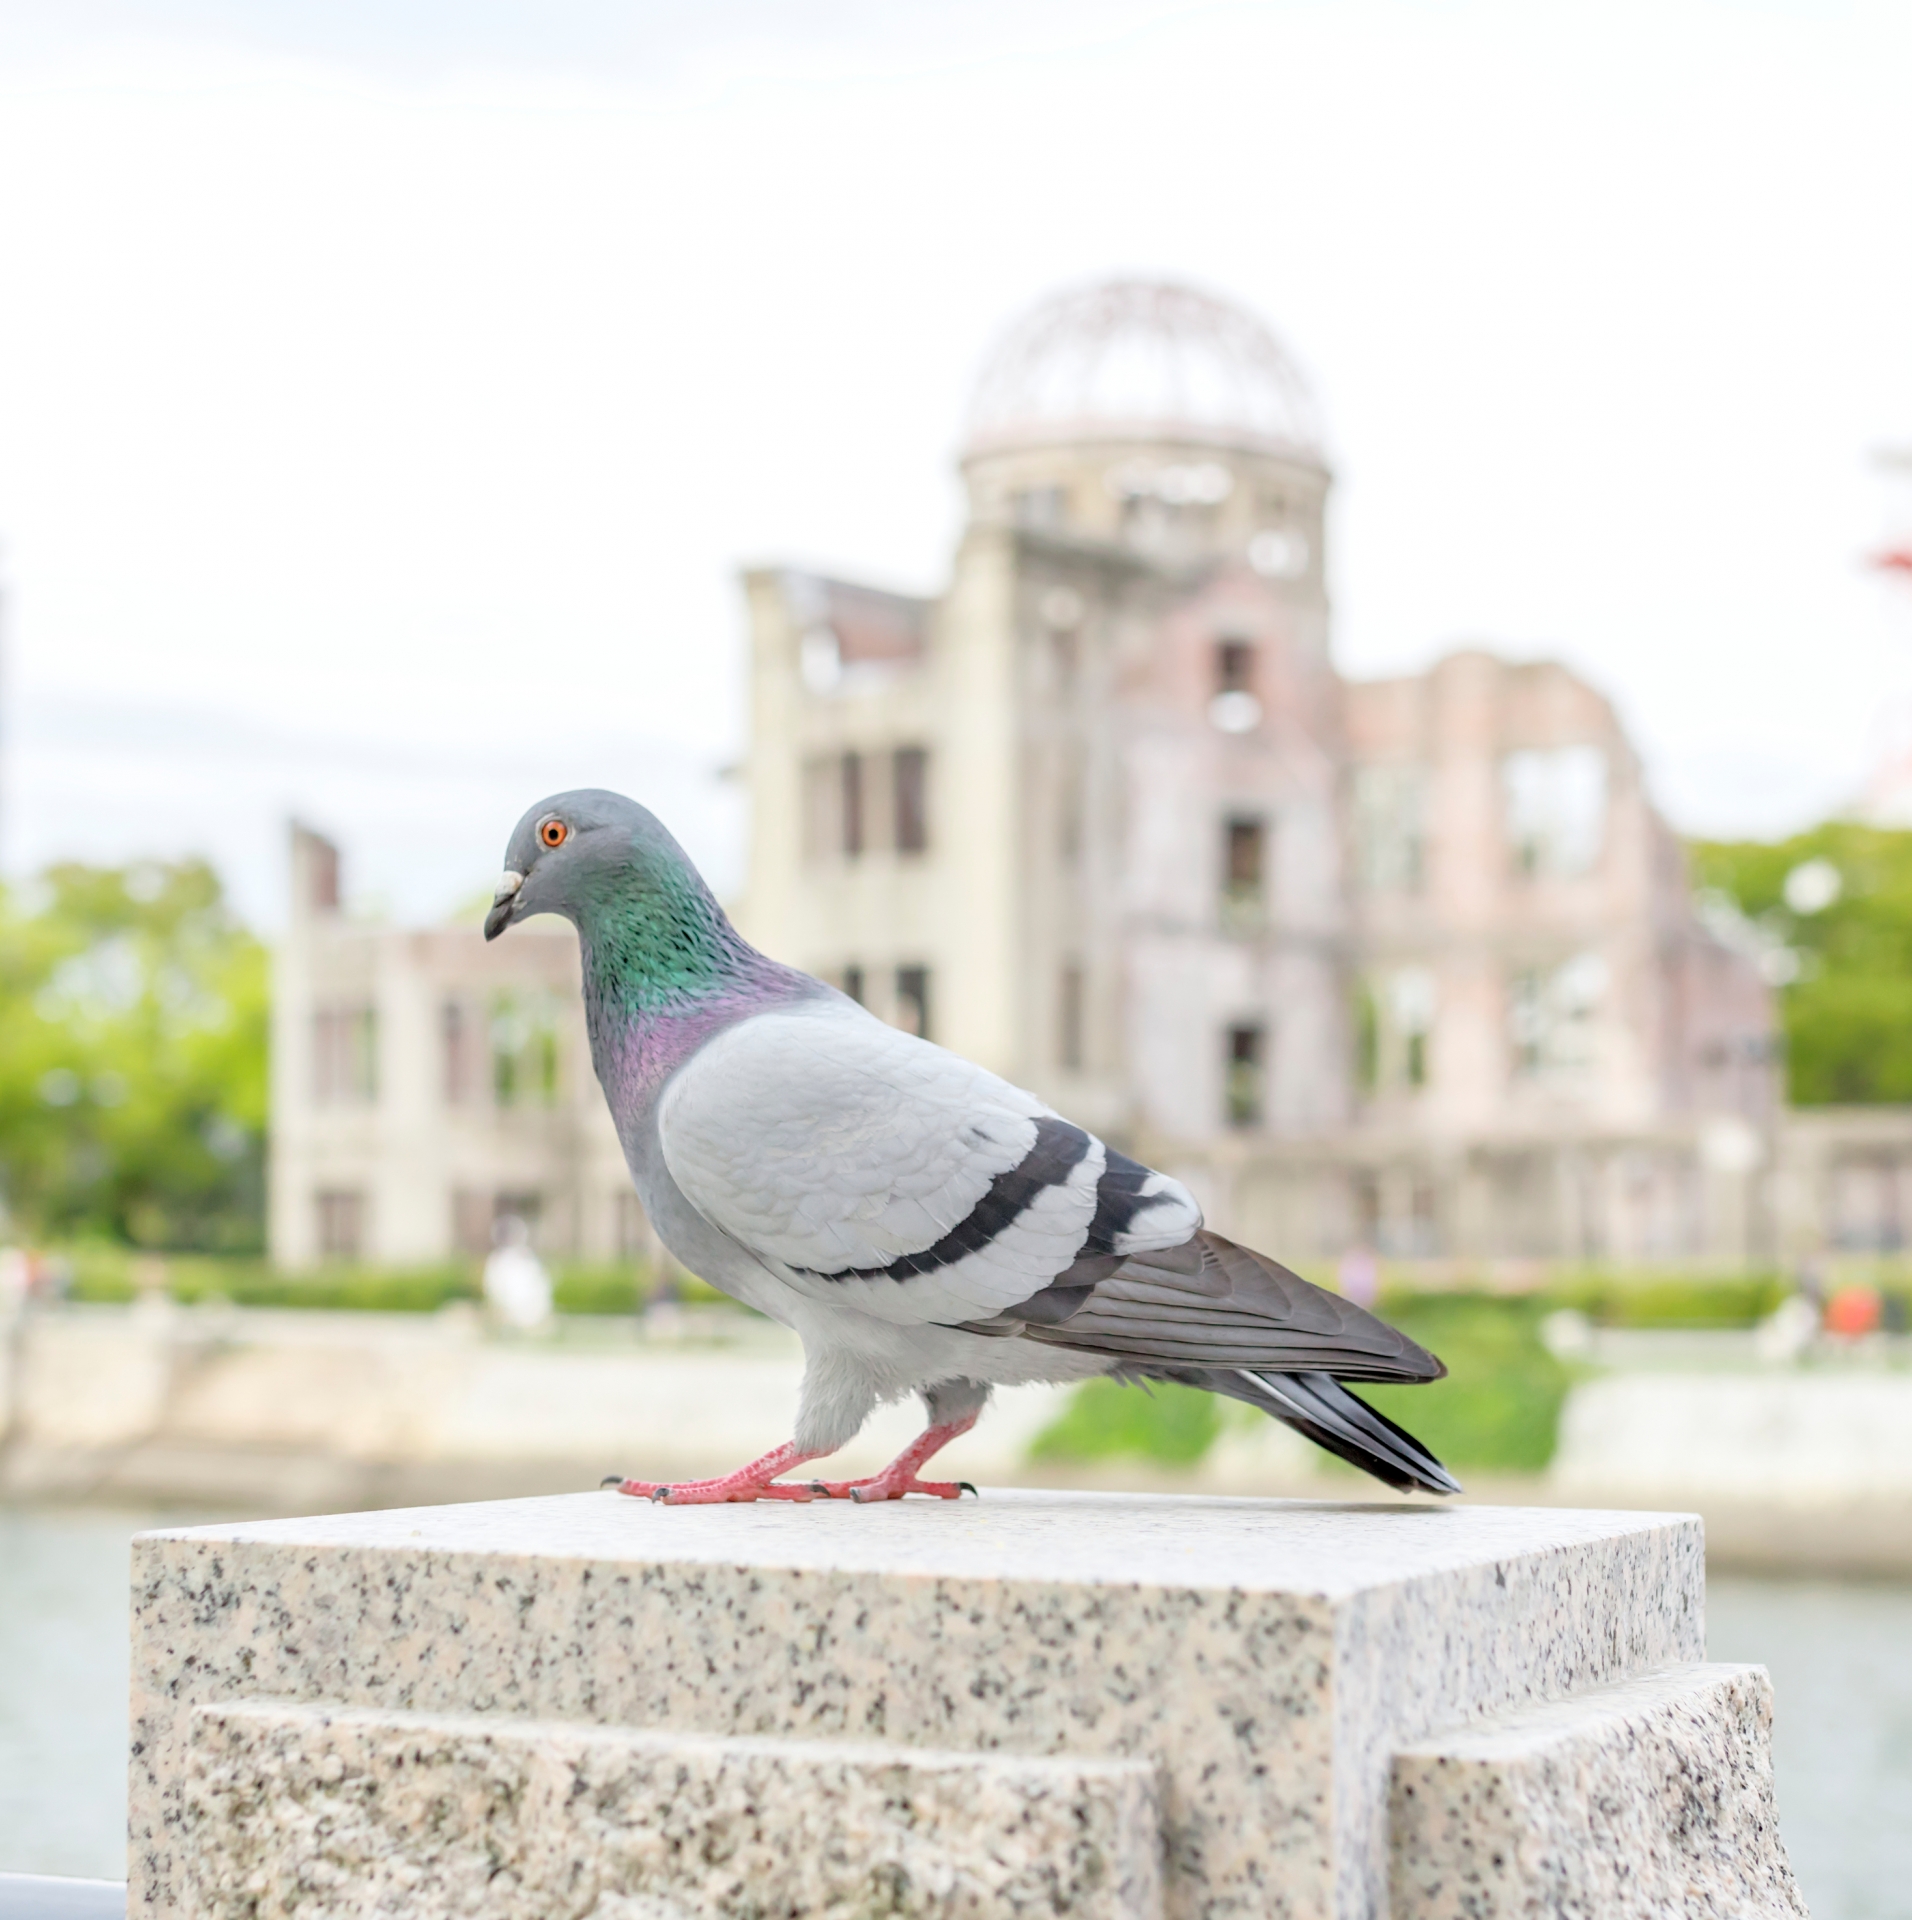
(600, 1290)
(252, 1284)
(1669, 1300)
(106, 1274)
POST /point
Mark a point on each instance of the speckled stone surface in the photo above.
(1639, 1801)
(1270, 1655)
(330, 1816)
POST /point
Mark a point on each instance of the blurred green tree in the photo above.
(1834, 907)
(133, 1018)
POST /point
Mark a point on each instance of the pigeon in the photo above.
(922, 1225)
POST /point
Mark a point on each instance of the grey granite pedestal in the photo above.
(1029, 1704)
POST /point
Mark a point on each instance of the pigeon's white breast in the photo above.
(830, 1144)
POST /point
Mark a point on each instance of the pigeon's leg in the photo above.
(899, 1477)
(758, 1481)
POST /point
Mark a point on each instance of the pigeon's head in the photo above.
(574, 849)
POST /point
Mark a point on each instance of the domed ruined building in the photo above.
(1408, 964)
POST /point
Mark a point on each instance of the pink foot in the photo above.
(710, 1493)
(758, 1481)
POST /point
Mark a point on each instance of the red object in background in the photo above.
(1854, 1310)
(1894, 560)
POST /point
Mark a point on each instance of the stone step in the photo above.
(332, 1813)
(1637, 1801)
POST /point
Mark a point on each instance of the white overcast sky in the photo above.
(389, 392)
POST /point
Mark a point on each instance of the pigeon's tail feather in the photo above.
(1319, 1406)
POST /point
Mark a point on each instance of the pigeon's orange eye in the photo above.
(554, 833)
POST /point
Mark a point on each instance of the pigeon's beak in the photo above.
(502, 902)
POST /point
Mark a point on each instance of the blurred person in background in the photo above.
(517, 1288)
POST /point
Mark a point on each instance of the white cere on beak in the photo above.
(507, 886)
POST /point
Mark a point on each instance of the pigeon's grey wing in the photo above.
(867, 1167)
(1210, 1304)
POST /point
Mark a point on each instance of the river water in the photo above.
(1841, 1658)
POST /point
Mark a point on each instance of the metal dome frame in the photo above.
(1200, 366)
